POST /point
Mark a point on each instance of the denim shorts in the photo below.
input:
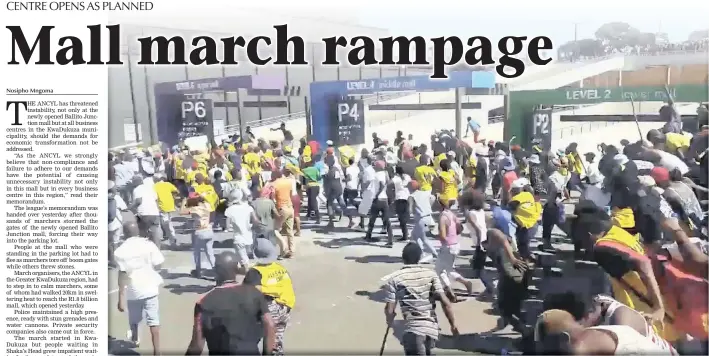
(148, 308)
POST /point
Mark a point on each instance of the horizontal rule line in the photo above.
(84, 94)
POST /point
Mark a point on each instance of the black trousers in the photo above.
(401, 206)
(312, 193)
(550, 218)
(380, 208)
(511, 294)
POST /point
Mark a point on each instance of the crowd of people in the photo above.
(639, 216)
(656, 49)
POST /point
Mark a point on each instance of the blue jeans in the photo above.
(202, 240)
(418, 235)
(139, 309)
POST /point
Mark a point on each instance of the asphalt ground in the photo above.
(339, 308)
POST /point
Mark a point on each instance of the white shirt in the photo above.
(594, 175)
(380, 178)
(148, 200)
(214, 169)
(480, 223)
(124, 174)
(117, 222)
(560, 181)
(134, 165)
(672, 162)
(138, 257)
(239, 218)
(401, 187)
(368, 174)
(352, 177)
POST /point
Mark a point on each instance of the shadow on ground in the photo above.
(375, 259)
(190, 288)
(120, 347)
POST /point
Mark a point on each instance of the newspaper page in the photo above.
(158, 153)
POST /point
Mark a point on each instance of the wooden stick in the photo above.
(637, 124)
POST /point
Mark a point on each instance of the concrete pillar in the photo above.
(459, 112)
(620, 77)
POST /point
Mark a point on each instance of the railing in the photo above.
(232, 129)
(586, 127)
(126, 146)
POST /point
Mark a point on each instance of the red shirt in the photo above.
(314, 147)
(507, 180)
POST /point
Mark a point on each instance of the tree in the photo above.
(617, 34)
(587, 47)
(642, 39)
(699, 35)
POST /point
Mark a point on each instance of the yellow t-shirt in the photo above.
(209, 194)
(450, 186)
(437, 161)
(252, 162)
(269, 154)
(166, 201)
(190, 179)
(528, 212)
(276, 283)
(424, 176)
(675, 142)
(575, 163)
(179, 171)
(627, 296)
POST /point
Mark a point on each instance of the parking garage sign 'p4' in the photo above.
(350, 122)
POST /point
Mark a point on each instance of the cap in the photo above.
(534, 159)
(264, 251)
(620, 158)
(380, 164)
(647, 181)
(660, 174)
(451, 153)
(519, 183)
(329, 142)
(193, 195)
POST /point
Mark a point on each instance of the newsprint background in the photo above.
(54, 207)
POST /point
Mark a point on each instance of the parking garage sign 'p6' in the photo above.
(196, 117)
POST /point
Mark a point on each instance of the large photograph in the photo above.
(362, 209)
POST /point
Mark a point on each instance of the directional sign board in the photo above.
(540, 126)
(349, 114)
(196, 117)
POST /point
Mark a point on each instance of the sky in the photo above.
(551, 21)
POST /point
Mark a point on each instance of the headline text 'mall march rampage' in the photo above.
(47, 49)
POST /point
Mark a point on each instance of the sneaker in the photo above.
(129, 337)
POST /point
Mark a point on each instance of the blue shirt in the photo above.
(502, 220)
(473, 125)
